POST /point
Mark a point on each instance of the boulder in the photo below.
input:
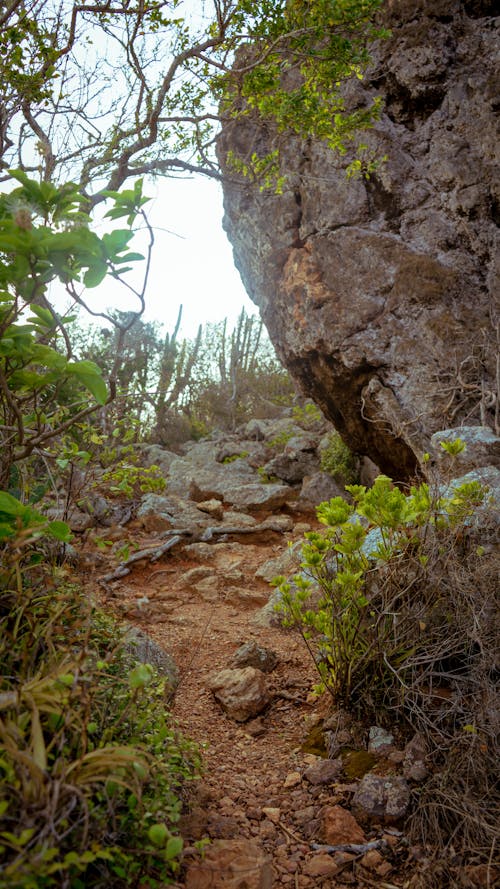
(242, 693)
(257, 496)
(377, 290)
(482, 448)
(317, 488)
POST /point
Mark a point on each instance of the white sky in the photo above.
(192, 258)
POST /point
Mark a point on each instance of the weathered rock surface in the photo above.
(252, 655)
(142, 649)
(378, 293)
(383, 798)
(242, 693)
(482, 448)
(324, 771)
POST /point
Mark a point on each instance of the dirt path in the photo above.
(252, 789)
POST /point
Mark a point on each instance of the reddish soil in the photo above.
(256, 766)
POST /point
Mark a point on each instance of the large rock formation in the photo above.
(379, 294)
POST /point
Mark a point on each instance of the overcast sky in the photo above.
(192, 260)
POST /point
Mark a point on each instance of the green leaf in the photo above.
(96, 386)
(95, 274)
(10, 505)
(60, 530)
(140, 676)
(90, 376)
(42, 315)
(173, 848)
(157, 834)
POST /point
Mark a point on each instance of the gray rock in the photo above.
(299, 458)
(380, 742)
(486, 517)
(414, 763)
(288, 562)
(213, 508)
(317, 488)
(252, 655)
(324, 771)
(482, 448)
(142, 649)
(252, 497)
(242, 693)
(155, 455)
(384, 798)
(159, 513)
(376, 290)
(268, 616)
(156, 513)
(77, 519)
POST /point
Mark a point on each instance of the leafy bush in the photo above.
(92, 770)
(396, 603)
(374, 602)
(126, 479)
(338, 461)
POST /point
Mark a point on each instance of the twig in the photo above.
(356, 848)
(152, 554)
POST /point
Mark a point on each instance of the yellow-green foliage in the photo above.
(375, 592)
(126, 479)
(338, 461)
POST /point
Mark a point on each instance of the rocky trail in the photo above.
(294, 793)
(274, 813)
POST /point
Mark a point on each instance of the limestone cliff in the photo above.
(381, 296)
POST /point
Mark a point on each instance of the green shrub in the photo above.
(92, 769)
(126, 479)
(376, 597)
(338, 461)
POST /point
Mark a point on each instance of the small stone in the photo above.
(321, 865)
(339, 827)
(222, 827)
(372, 859)
(380, 741)
(255, 728)
(213, 508)
(414, 761)
(273, 814)
(267, 830)
(384, 869)
(381, 798)
(293, 779)
(396, 757)
(241, 693)
(324, 771)
(252, 655)
(302, 816)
